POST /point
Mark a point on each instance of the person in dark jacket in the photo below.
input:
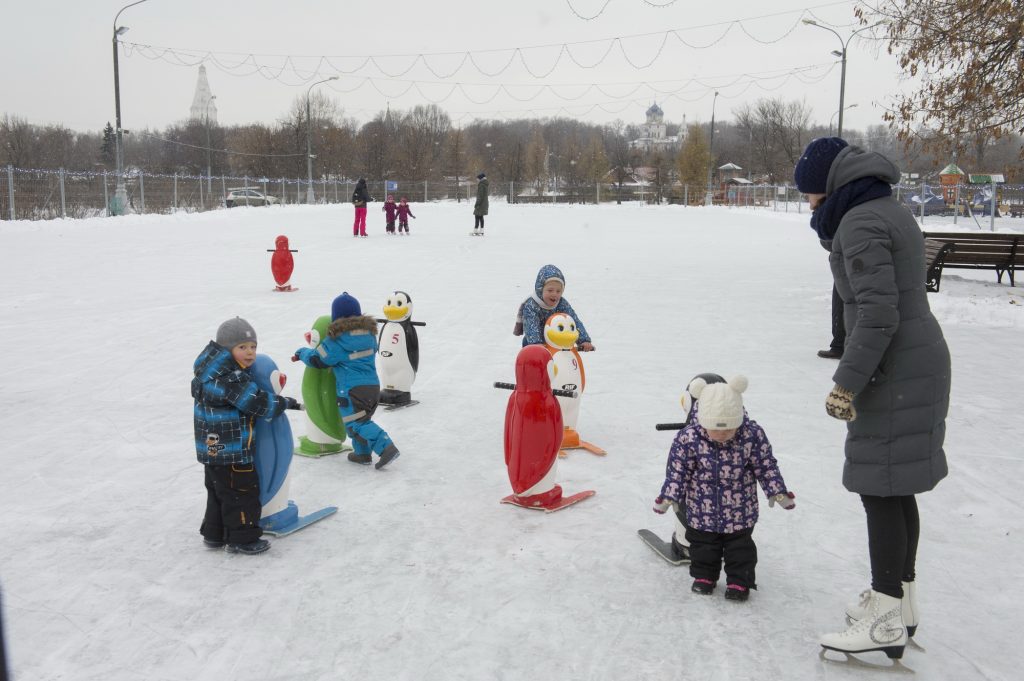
(892, 382)
(481, 205)
(227, 400)
(360, 197)
(714, 467)
(350, 350)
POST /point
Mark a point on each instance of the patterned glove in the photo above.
(783, 499)
(661, 504)
(839, 404)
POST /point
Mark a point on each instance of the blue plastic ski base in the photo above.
(288, 520)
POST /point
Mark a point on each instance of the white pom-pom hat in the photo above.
(721, 404)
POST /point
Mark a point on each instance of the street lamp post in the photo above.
(120, 202)
(209, 161)
(834, 117)
(309, 141)
(842, 55)
(710, 196)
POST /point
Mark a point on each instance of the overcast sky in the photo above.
(58, 68)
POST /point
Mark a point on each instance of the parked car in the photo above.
(245, 196)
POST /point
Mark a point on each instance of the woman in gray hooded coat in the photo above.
(892, 383)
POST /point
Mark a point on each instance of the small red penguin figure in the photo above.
(281, 264)
(533, 435)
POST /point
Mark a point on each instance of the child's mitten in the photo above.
(839, 404)
(304, 354)
(661, 504)
(783, 499)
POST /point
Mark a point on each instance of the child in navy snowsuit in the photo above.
(546, 301)
(390, 213)
(404, 213)
(713, 470)
(350, 350)
(227, 401)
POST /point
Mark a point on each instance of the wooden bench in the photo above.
(1003, 253)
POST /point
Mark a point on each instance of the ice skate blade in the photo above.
(851, 659)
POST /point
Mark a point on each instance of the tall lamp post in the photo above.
(120, 202)
(834, 117)
(842, 55)
(209, 162)
(709, 197)
(309, 141)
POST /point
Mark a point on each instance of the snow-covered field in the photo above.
(422, 574)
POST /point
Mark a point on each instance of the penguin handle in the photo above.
(669, 426)
(385, 321)
(556, 391)
(290, 250)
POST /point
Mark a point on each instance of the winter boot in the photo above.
(704, 587)
(855, 611)
(250, 549)
(213, 543)
(364, 459)
(389, 454)
(735, 592)
(881, 628)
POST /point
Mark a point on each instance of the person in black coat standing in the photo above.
(360, 197)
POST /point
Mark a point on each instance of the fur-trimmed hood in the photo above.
(344, 324)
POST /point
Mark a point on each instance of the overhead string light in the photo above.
(247, 64)
(658, 5)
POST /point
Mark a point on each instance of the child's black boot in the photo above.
(704, 587)
(251, 549)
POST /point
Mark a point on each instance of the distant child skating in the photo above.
(547, 300)
(390, 209)
(714, 466)
(350, 349)
(404, 213)
(226, 402)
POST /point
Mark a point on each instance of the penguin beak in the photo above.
(562, 339)
(394, 313)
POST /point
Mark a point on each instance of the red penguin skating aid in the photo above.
(282, 264)
(533, 434)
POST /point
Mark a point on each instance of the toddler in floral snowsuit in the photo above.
(713, 468)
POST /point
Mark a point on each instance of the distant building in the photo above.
(653, 135)
(203, 104)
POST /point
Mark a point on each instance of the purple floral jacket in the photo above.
(715, 483)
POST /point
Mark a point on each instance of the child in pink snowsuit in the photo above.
(390, 213)
(404, 213)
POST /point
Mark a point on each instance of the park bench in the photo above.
(1003, 253)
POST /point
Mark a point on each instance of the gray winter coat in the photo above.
(481, 205)
(895, 359)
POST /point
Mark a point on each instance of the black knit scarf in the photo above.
(826, 217)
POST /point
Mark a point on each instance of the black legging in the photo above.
(894, 528)
(478, 222)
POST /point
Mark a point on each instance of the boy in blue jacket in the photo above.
(350, 350)
(227, 401)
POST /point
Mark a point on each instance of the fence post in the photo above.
(992, 209)
(202, 204)
(223, 189)
(63, 204)
(424, 191)
(142, 192)
(175, 192)
(106, 197)
(298, 191)
(10, 187)
(956, 201)
(284, 195)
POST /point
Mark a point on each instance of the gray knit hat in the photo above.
(235, 331)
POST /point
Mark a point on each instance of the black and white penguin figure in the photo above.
(398, 354)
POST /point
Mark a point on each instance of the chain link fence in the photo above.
(47, 194)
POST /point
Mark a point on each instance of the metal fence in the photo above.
(46, 194)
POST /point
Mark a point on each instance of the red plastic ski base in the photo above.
(553, 506)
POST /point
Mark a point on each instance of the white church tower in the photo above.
(203, 103)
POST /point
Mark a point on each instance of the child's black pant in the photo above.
(232, 504)
(478, 222)
(389, 226)
(403, 224)
(708, 549)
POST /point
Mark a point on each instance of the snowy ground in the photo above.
(423, 574)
